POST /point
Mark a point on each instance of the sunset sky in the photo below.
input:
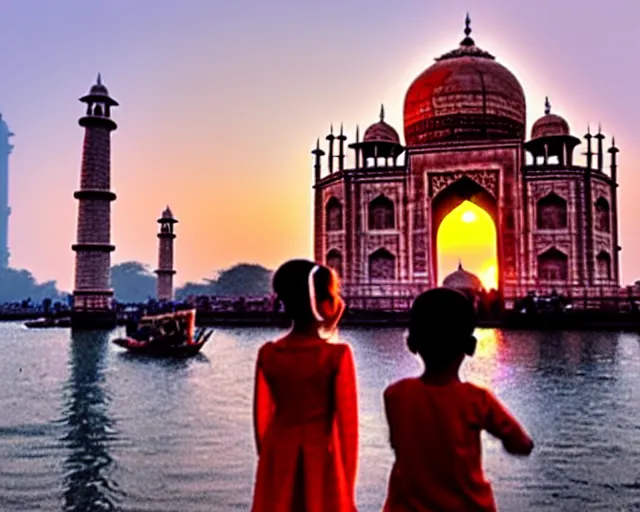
(221, 102)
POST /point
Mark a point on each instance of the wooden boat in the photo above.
(167, 335)
(44, 323)
(159, 349)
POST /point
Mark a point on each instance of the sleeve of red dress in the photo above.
(263, 404)
(347, 414)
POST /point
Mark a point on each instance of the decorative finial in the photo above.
(467, 41)
(613, 141)
(381, 112)
(588, 135)
(599, 128)
(318, 143)
(331, 129)
(341, 129)
(547, 106)
(99, 80)
(459, 260)
(357, 133)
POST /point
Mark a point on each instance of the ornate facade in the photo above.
(465, 131)
(5, 210)
(92, 293)
(165, 271)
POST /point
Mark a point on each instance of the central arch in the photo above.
(450, 198)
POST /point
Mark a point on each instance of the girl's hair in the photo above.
(291, 286)
(441, 325)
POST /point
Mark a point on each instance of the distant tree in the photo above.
(204, 288)
(133, 281)
(19, 284)
(242, 280)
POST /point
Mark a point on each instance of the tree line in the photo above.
(133, 281)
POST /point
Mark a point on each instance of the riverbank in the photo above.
(576, 320)
(569, 320)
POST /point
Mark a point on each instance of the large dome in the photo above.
(465, 95)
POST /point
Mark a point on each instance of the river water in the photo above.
(85, 426)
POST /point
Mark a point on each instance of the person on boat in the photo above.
(435, 420)
(305, 402)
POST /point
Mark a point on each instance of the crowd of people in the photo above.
(306, 408)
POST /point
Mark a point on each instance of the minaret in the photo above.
(331, 137)
(341, 138)
(92, 294)
(588, 209)
(165, 272)
(5, 210)
(318, 210)
(600, 137)
(613, 151)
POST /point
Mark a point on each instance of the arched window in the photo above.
(604, 265)
(551, 212)
(553, 265)
(334, 260)
(382, 265)
(334, 214)
(603, 216)
(381, 213)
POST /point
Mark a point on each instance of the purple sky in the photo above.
(222, 101)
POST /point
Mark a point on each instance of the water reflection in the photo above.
(88, 484)
(163, 362)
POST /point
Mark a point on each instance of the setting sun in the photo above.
(468, 236)
(468, 216)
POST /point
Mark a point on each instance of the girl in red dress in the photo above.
(305, 403)
(435, 420)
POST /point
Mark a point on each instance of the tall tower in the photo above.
(92, 294)
(5, 210)
(165, 270)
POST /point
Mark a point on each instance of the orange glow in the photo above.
(468, 235)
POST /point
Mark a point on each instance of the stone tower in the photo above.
(92, 294)
(165, 270)
(5, 210)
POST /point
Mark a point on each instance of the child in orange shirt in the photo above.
(305, 404)
(435, 420)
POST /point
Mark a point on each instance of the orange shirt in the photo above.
(435, 433)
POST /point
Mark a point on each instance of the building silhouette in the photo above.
(465, 139)
(165, 271)
(5, 211)
(92, 293)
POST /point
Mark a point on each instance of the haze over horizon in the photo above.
(221, 103)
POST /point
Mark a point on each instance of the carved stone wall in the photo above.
(330, 239)
(495, 168)
(373, 240)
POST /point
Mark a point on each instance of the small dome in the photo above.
(463, 280)
(550, 125)
(381, 131)
(99, 88)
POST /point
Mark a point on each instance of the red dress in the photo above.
(306, 427)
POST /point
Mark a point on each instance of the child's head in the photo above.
(308, 291)
(441, 326)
